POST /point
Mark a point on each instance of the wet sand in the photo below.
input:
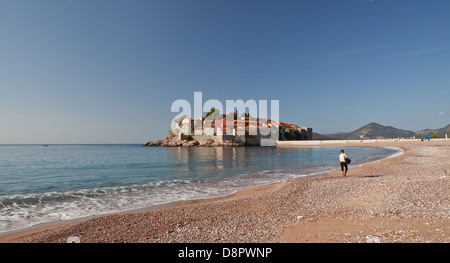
(402, 199)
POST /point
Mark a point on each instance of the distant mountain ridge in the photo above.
(439, 132)
(374, 130)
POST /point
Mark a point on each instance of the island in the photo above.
(216, 129)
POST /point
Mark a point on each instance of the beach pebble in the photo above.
(73, 239)
(372, 239)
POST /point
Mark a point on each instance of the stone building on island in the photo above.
(246, 131)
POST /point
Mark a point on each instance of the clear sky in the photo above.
(107, 71)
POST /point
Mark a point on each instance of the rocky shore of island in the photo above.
(176, 142)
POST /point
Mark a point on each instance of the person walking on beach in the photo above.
(343, 159)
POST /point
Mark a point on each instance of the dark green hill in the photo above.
(374, 130)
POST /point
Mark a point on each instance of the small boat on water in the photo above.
(45, 145)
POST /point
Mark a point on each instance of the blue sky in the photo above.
(107, 71)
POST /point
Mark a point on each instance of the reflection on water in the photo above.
(213, 162)
(216, 161)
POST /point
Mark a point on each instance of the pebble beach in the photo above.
(405, 199)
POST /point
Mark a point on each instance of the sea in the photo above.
(41, 184)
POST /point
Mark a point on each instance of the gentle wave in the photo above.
(30, 199)
(18, 212)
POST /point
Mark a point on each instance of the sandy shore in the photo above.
(402, 199)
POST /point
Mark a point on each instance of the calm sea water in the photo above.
(43, 184)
